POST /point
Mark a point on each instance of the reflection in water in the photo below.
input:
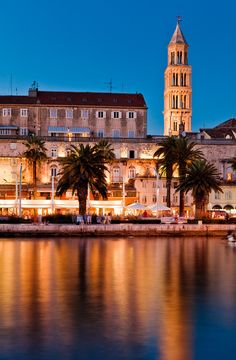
(116, 299)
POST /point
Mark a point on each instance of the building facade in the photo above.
(73, 115)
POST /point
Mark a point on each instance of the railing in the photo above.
(156, 139)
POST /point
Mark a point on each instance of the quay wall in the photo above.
(144, 230)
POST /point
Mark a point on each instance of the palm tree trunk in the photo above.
(168, 190)
(181, 203)
(82, 193)
(182, 175)
(34, 179)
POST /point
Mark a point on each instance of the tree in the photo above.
(233, 163)
(35, 153)
(186, 153)
(106, 150)
(201, 178)
(85, 166)
(166, 160)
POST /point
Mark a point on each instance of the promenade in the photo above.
(144, 230)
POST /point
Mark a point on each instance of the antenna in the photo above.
(110, 85)
(11, 83)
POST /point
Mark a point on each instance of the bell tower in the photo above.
(178, 86)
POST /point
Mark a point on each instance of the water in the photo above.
(167, 299)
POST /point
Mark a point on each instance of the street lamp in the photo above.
(20, 191)
(157, 187)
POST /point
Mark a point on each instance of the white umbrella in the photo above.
(158, 207)
(136, 206)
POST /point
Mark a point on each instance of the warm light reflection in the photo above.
(134, 290)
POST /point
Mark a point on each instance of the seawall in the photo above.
(147, 230)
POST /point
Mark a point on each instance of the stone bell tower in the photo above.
(178, 86)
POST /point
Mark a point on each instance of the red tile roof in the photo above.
(78, 98)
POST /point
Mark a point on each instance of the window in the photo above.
(23, 131)
(5, 132)
(116, 115)
(175, 102)
(6, 112)
(84, 114)
(54, 171)
(131, 154)
(179, 57)
(154, 198)
(229, 176)
(175, 126)
(23, 112)
(100, 133)
(175, 79)
(131, 173)
(69, 114)
(172, 58)
(217, 195)
(131, 115)
(131, 134)
(175, 199)
(53, 113)
(116, 174)
(144, 199)
(228, 195)
(101, 114)
(54, 152)
(116, 133)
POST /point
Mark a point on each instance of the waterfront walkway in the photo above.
(62, 230)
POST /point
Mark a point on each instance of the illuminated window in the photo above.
(229, 176)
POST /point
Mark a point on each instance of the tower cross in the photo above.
(179, 19)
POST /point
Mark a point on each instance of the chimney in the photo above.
(33, 90)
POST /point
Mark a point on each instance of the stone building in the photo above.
(74, 115)
(178, 87)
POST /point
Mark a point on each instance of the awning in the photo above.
(66, 130)
(11, 127)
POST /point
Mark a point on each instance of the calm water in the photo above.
(167, 299)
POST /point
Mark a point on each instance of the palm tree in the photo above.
(106, 151)
(233, 163)
(166, 159)
(35, 153)
(186, 153)
(201, 178)
(85, 166)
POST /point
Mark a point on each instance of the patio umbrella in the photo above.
(136, 206)
(158, 207)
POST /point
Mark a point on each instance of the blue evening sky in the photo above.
(80, 45)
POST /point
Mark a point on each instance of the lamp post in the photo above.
(123, 196)
(16, 193)
(52, 198)
(20, 191)
(157, 188)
